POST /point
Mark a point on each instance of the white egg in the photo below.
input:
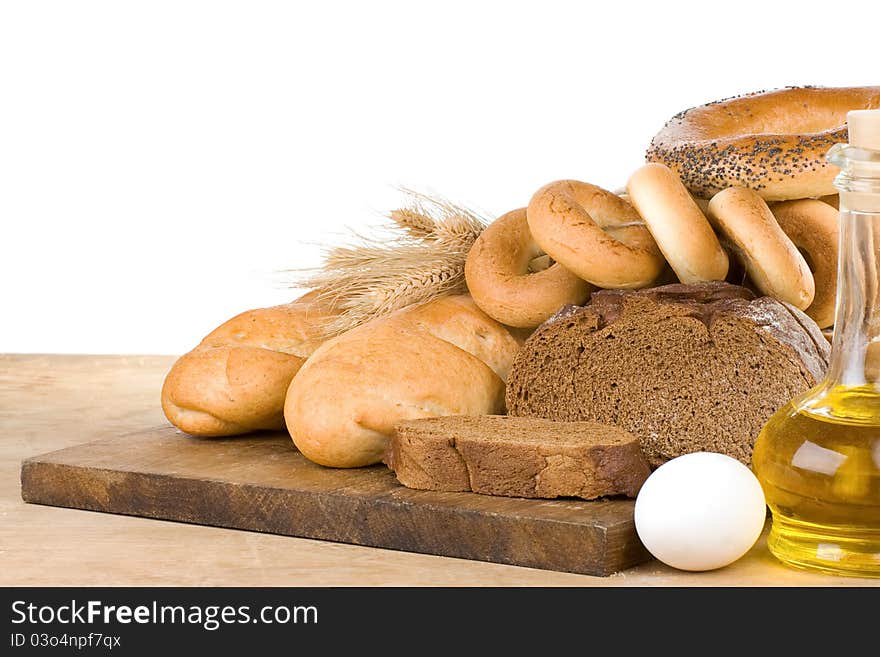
(700, 511)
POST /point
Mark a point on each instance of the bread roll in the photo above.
(445, 357)
(234, 381)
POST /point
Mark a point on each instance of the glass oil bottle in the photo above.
(818, 457)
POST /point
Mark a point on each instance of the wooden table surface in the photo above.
(52, 401)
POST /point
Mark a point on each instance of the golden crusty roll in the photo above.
(234, 381)
(444, 357)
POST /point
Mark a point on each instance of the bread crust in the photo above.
(444, 357)
(677, 224)
(595, 234)
(234, 381)
(771, 259)
(518, 457)
(773, 142)
(499, 280)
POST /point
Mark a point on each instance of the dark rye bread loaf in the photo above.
(685, 368)
(517, 457)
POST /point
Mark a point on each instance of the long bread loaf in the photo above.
(234, 381)
(445, 357)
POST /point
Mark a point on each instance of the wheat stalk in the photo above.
(422, 260)
(417, 224)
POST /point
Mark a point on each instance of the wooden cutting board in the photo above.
(261, 483)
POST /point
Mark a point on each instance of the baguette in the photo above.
(234, 381)
(444, 357)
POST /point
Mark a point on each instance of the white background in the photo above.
(161, 162)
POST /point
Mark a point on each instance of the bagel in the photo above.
(594, 234)
(702, 203)
(773, 142)
(812, 227)
(679, 227)
(510, 280)
(771, 260)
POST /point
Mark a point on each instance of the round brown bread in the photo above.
(444, 357)
(773, 142)
(499, 279)
(685, 368)
(772, 261)
(594, 234)
(677, 224)
(235, 380)
(812, 226)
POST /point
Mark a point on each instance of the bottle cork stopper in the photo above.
(864, 129)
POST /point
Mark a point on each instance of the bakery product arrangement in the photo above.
(575, 343)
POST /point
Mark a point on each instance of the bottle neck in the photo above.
(855, 352)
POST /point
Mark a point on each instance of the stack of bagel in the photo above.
(737, 190)
(739, 186)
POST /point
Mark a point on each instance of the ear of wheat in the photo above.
(421, 259)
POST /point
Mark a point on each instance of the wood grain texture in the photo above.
(261, 483)
(48, 402)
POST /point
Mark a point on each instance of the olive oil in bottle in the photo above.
(818, 457)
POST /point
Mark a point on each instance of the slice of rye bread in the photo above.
(517, 457)
(685, 368)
